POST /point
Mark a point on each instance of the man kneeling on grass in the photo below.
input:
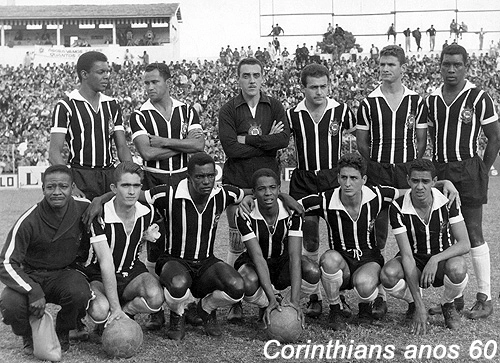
(428, 255)
(273, 238)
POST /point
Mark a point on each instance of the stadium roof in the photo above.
(19, 12)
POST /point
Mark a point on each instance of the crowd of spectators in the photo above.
(28, 94)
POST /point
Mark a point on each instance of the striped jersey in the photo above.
(149, 121)
(88, 131)
(345, 233)
(317, 145)
(427, 238)
(456, 127)
(392, 133)
(189, 233)
(273, 240)
(125, 247)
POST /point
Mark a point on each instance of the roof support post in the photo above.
(2, 35)
(114, 32)
(58, 33)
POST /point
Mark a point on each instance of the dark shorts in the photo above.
(153, 179)
(306, 182)
(93, 273)
(393, 175)
(92, 182)
(470, 177)
(238, 172)
(279, 268)
(196, 269)
(353, 263)
(422, 259)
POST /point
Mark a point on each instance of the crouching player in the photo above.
(428, 256)
(273, 238)
(123, 226)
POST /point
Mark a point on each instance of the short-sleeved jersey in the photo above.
(273, 240)
(125, 248)
(190, 234)
(317, 145)
(148, 121)
(392, 133)
(346, 234)
(456, 127)
(88, 131)
(426, 238)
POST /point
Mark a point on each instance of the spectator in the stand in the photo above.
(145, 58)
(276, 44)
(285, 54)
(243, 52)
(330, 28)
(276, 30)
(374, 52)
(392, 31)
(481, 38)
(445, 44)
(250, 52)
(418, 37)
(453, 28)
(407, 34)
(259, 55)
(128, 58)
(432, 37)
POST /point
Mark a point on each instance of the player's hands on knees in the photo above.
(419, 323)
(246, 206)
(276, 127)
(272, 305)
(37, 308)
(429, 273)
(300, 314)
(78, 193)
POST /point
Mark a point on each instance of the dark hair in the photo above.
(264, 172)
(161, 67)
(353, 160)
(127, 167)
(453, 49)
(394, 51)
(200, 159)
(313, 70)
(422, 165)
(59, 168)
(87, 60)
(249, 61)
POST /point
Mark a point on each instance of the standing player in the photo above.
(428, 255)
(389, 120)
(164, 132)
(87, 120)
(458, 110)
(122, 226)
(252, 128)
(317, 124)
(273, 238)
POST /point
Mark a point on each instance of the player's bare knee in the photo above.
(178, 285)
(99, 308)
(234, 286)
(365, 284)
(456, 269)
(310, 270)
(390, 274)
(250, 278)
(331, 261)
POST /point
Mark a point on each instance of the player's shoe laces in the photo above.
(336, 320)
(314, 307)
(191, 316)
(365, 312)
(235, 313)
(482, 308)
(156, 320)
(210, 324)
(177, 328)
(379, 308)
(451, 316)
(459, 305)
(80, 333)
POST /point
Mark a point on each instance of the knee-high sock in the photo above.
(236, 247)
(368, 299)
(451, 290)
(306, 289)
(401, 291)
(177, 304)
(259, 298)
(313, 256)
(138, 305)
(381, 290)
(332, 284)
(481, 263)
(217, 299)
(99, 322)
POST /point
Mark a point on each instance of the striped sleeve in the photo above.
(295, 226)
(349, 121)
(244, 226)
(61, 117)
(422, 114)
(486, 109)
(362, 120)
(194, 119)
(455, 214)
(396, 220)
(137, 121)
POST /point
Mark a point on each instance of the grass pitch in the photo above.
(245, 343)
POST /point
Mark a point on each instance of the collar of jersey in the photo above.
(182, 191)
(377, 92)
(335, 202)
(241, 101)
(438, 201)
(282, 214)
(148, 106)
(468, 85)
(330, 104)
(76, 95)
(110, 215)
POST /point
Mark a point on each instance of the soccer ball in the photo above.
(284, 325)
(122, 338)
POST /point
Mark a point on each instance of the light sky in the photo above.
(209, 25)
